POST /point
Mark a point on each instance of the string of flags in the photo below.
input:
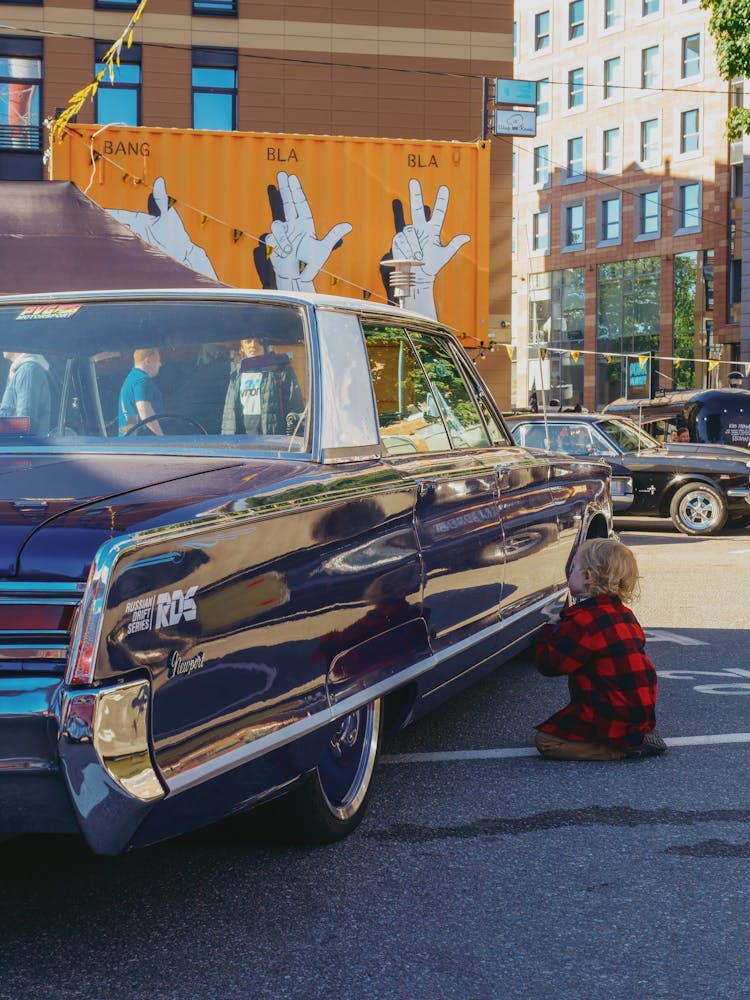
(110, 60)
(611, 356)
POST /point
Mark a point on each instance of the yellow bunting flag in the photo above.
(509, 348)
(204, 220)
(575, 355)
(642, 359)
(366, 294)
(110, 58)
(269, 250)
(237, 235)
(542, 353)
(609, 359)
(677, 362)
(334, 281)
(713, 364)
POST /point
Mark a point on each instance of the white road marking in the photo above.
(739, 552)
(501, 753)
(662, 635)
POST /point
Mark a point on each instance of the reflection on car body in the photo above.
(699, 486)
(194, 623)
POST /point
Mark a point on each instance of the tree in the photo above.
(728, 24)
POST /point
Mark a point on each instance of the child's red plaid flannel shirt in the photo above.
(599, 644)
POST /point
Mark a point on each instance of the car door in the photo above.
(433, 433)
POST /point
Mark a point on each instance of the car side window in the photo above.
(408, 414)
(451, 392)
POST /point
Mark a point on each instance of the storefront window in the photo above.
(685, 322)
(627, 320)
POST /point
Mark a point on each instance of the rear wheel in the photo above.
(331, 803)
(698, 509)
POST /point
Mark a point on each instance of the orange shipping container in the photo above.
(318, 213)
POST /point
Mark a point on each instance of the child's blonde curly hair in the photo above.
(611, 566)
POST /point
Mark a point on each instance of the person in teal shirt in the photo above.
(140, 397)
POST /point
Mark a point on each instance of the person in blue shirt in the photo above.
(140, 397)
(27, 391)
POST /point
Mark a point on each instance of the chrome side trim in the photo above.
(222, 763)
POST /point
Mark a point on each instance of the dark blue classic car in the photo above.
(214, 595)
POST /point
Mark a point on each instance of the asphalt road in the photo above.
(481, 871)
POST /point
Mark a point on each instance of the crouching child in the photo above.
(598, 643)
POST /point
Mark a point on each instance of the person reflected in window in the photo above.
(682, 434)
(27, 391)
(140, 397)
(263, 391)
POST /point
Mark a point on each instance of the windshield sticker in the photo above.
(48, 312)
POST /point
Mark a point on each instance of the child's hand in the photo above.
(552, 611)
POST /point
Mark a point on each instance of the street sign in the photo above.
(508, 121)
(521, 92)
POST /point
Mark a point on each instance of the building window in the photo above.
(115, 5)
(574, 164)
(737, 180)
(541, 166)
(628, 320)
(20, 93)
(215, 89)
(541, 31)
(118, 99)
(612, 14)
(575, 19)
(689, 137)
(611, 149)
(650, 68)
(649, 141)
(574, 221)
(612, 78)
(689, 206)
(575, 88)
(609, 220)
(543, 98)
(650, 7)
(540, 232)
(691, 56)
(648, 218)
(216, 7)
(735, 282)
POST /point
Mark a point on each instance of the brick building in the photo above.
(418, 70)
(628, 203)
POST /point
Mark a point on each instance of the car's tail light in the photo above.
(88, 627)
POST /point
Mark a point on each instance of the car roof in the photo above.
(557, 417)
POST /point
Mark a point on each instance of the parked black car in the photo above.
(699, 486)
(211, 609)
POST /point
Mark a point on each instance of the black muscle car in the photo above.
(239, 531)
(699, 486)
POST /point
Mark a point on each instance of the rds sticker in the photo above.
(161, 610)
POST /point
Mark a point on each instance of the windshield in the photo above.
(626, 435)
(192, 370)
